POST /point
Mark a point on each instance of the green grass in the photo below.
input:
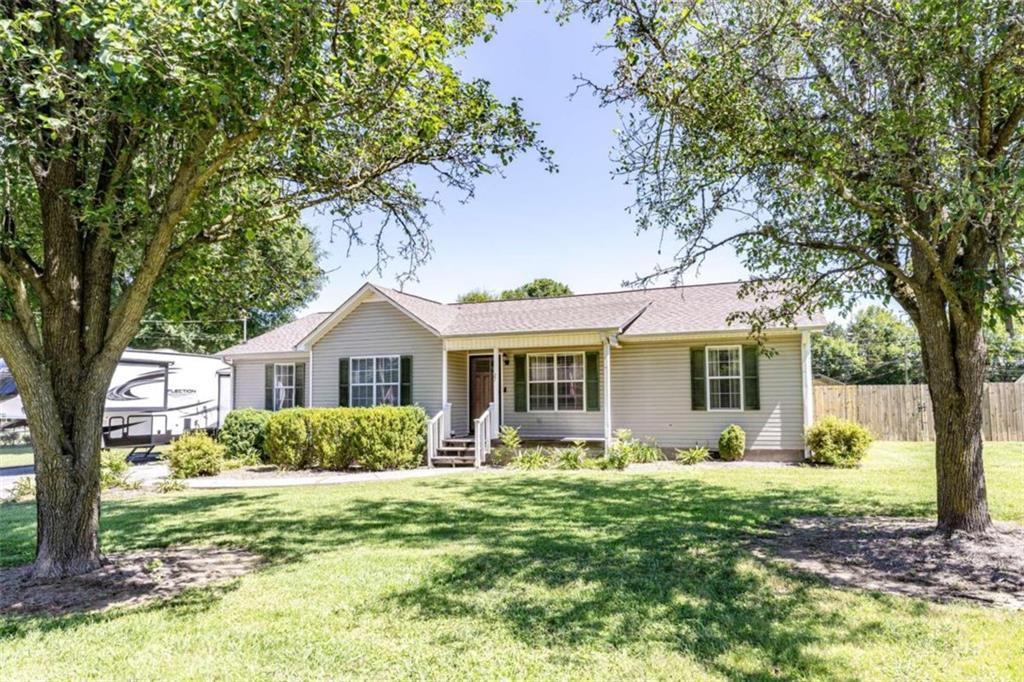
(16, 456)
(565, 575)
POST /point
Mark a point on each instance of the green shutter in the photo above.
(698, 392)
(751, 381)
(519, 363)
(300, 384)
(593, 383)
(268, 386)
(405, 393)
(343, 382)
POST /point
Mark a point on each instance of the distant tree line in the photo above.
(879, 346)
(541, 287)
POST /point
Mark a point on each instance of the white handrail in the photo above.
(435, 436)
(482, 426)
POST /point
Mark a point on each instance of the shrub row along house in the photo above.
(664, 363)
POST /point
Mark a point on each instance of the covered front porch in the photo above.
(550, 387)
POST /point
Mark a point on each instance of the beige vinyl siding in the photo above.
(249, 388)
(551, 424)
(378, 328)
(651, 396)
(458, 391)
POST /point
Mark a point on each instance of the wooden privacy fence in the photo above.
(905, 412)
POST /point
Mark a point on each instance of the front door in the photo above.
(481, 385)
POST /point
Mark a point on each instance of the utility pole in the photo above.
(245, 326)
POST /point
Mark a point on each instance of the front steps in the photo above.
(456, 452)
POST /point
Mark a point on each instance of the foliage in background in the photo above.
(542, 287)
(267, 276)
(195, 454)
(837, 442)
(243, 434)
(731, 443)
(879, 346)
(113, 469)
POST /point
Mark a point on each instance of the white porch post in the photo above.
(445, 426)
(496, 397)
(607, 348)
(807, 374)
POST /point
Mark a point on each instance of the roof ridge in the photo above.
(406, 293)
(603, 293)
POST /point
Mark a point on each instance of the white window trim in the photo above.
(707, 378)
(351, 384)
(293, 386)
(555, 381)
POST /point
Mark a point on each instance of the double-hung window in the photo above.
(375, 381)
(725, 377)
(556, 382)
(284, 386)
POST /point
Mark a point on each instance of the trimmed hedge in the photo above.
(837, 442)
(243, 434)
(372, 438)
(195, 454)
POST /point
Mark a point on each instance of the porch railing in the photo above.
(435, 436)
(446, 423)
(483, 428)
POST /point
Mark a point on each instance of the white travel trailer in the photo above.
(153, 396)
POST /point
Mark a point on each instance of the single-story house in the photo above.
(664, 363)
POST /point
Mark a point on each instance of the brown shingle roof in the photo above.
(283, 339)
(637, 312)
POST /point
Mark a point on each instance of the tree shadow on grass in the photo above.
(560, 561)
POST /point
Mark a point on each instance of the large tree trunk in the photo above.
(954, 360)
(66, 422)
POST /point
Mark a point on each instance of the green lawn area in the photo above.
(607, 575)
(16, 456)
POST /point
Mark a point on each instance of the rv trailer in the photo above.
(154, 395)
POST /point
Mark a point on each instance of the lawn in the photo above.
(607, 575)
(16, 456)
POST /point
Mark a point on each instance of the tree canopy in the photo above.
(867, 148)
(157, 154)
(542, 287)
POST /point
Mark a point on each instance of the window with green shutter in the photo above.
(751, 378)
(698, 385)
(519, 376)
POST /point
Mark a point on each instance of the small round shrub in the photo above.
(732, 443)
(837, 442)
(288, 443)
(243, 434)
(195, 454)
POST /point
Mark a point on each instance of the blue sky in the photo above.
(571, 226)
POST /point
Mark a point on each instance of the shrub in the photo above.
(510, 445)
(329, 441)
(837, 442)
(195, 454)
(387, 437)
(531, 458)
(615, 458)
(732, 443)
(243, 434)
(633, 450)
(23, 488)
(694, 455)
(572, 457)
(113, 470)
(287, 443)
(169, 485)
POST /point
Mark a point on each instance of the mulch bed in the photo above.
(906, 557)
(124, 580)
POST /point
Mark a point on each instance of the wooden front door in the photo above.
(481, 385)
